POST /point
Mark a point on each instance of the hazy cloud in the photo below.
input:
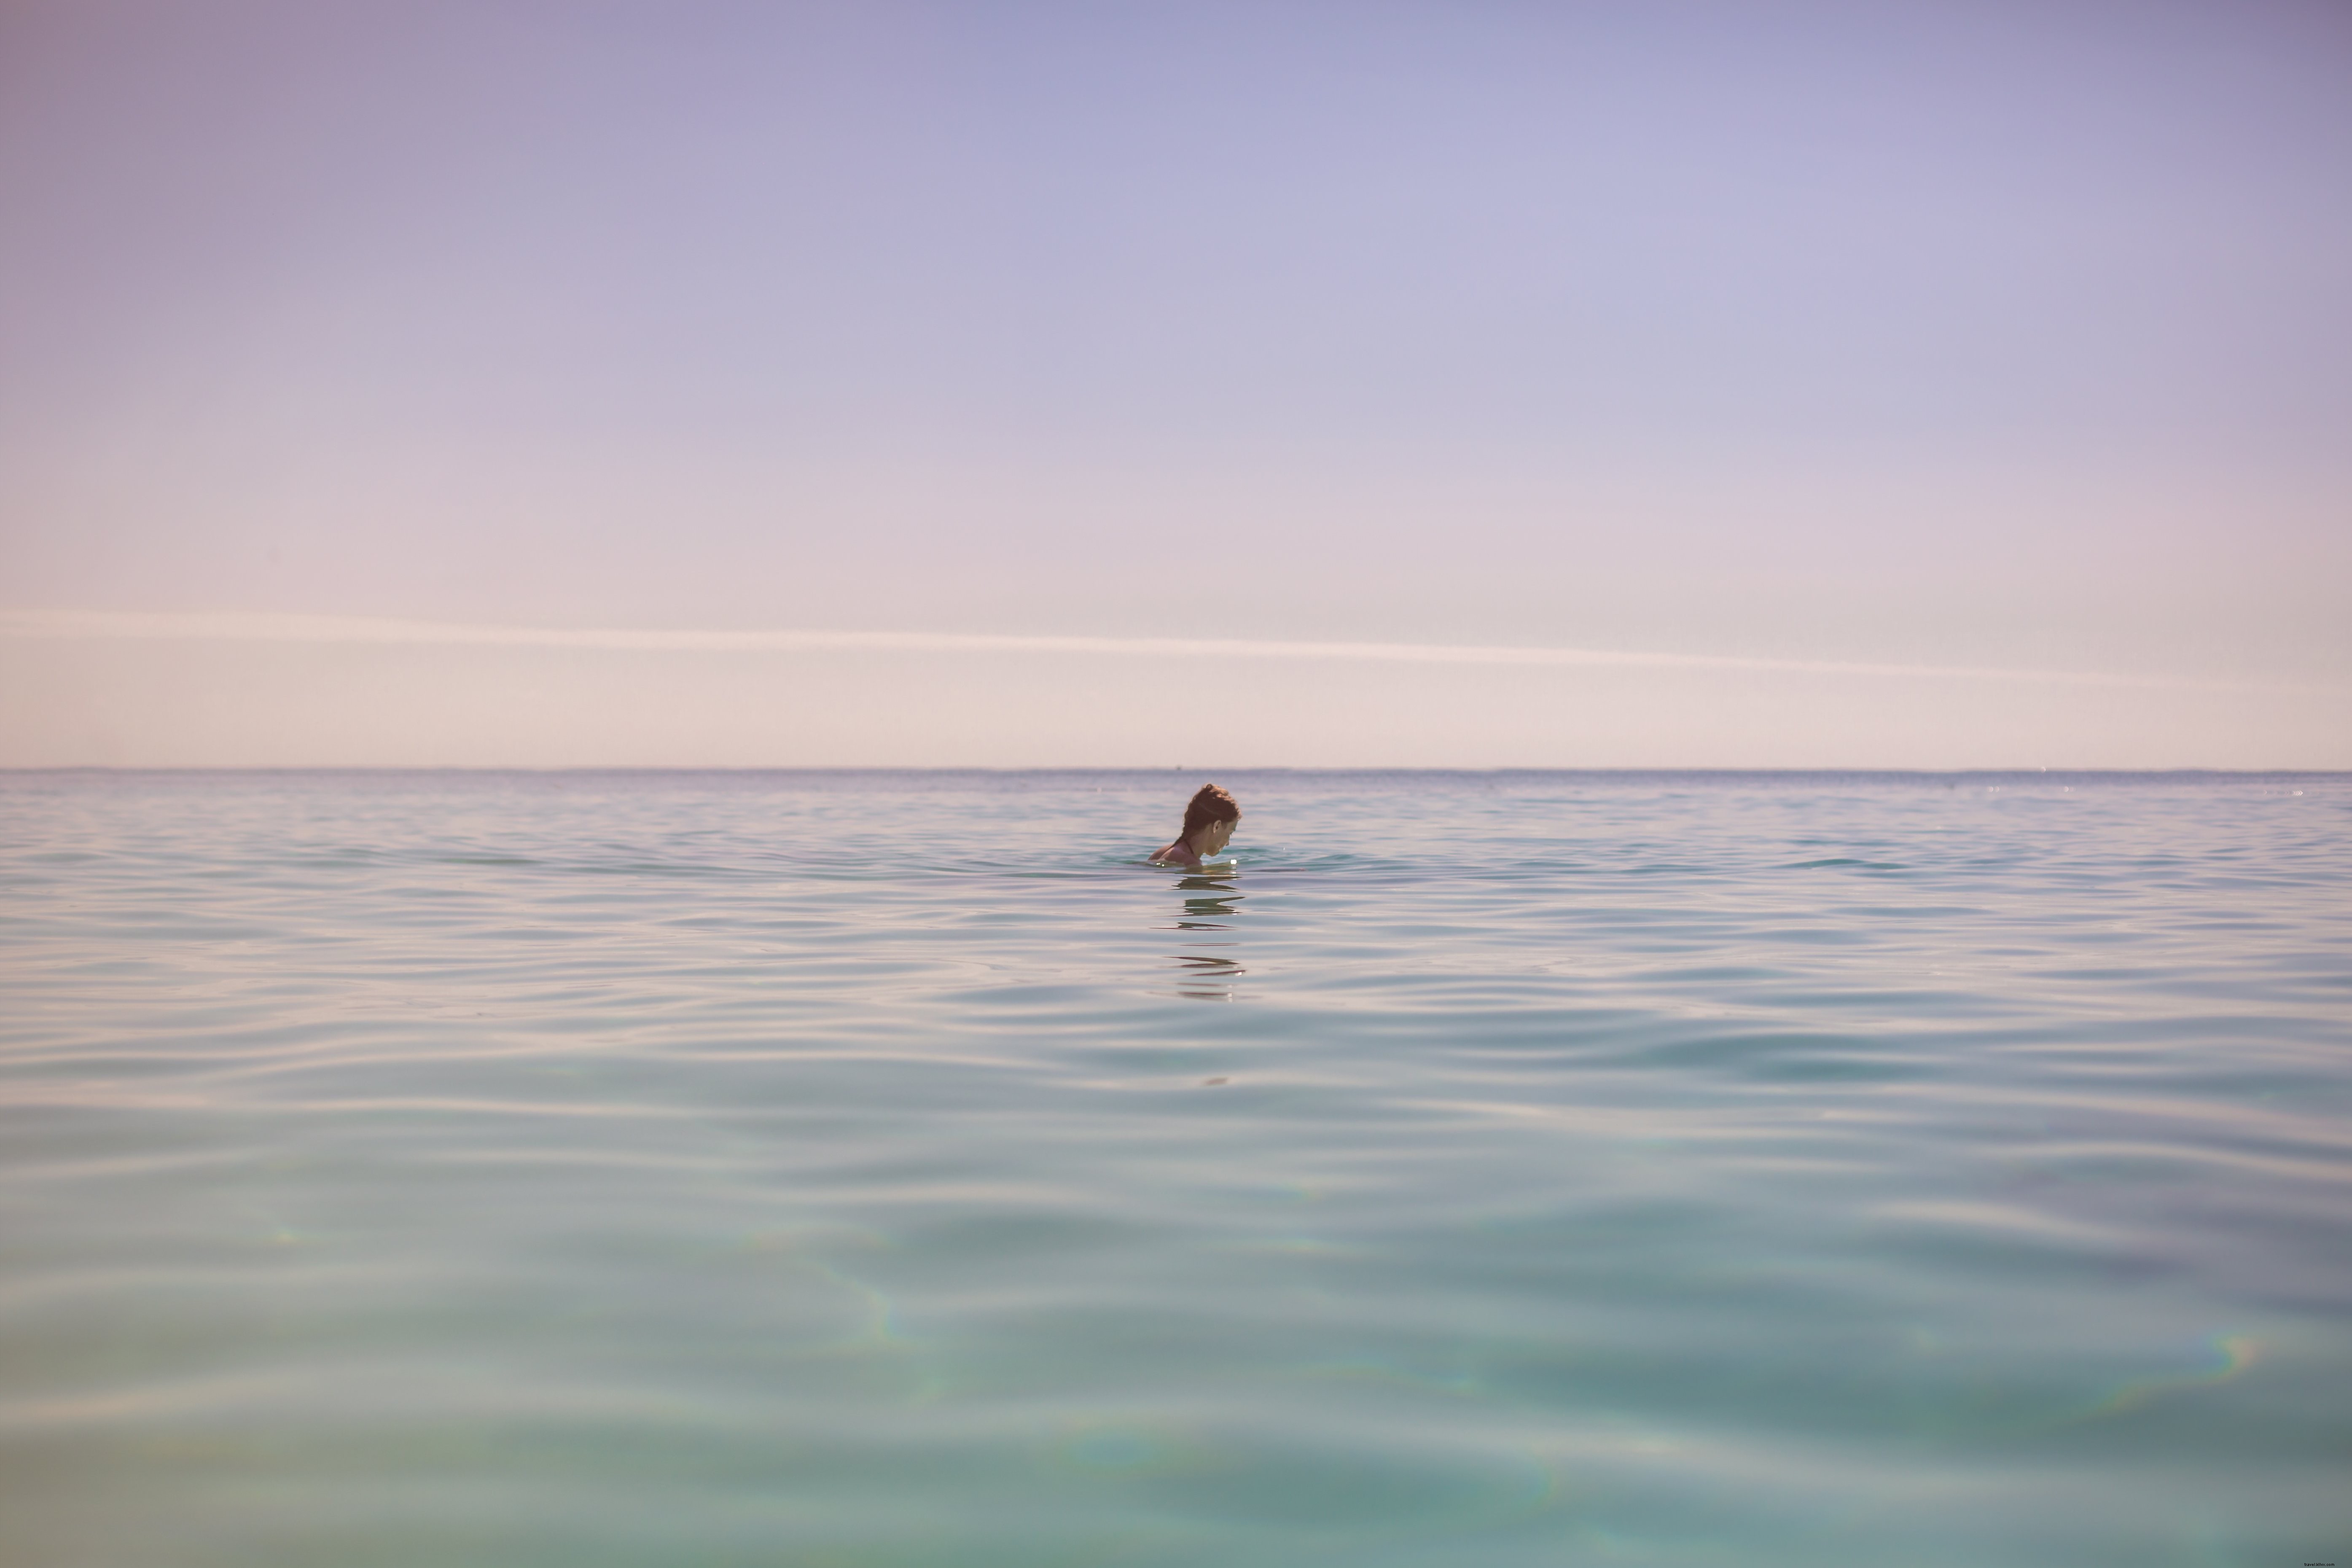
(380, 630)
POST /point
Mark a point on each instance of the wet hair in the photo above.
(1209, 804)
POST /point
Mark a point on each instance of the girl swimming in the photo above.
(1209, 821)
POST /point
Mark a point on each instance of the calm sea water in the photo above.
(886, 1170)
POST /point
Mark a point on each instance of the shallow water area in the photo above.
(1481, 1169)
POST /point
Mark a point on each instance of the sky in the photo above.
(1740, 383)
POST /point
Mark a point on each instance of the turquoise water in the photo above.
(883, 1170)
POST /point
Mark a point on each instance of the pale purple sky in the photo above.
(1980, 336)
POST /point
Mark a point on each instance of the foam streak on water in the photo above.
(885, 1170)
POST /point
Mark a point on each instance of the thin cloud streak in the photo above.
(120, 626)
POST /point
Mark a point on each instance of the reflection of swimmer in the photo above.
(1209, 822)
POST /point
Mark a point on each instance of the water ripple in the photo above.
(1505, 1169)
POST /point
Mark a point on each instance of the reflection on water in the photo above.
(1209, 906)
(580, 1171)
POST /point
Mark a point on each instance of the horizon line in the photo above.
(393, 631)
(2034, 771)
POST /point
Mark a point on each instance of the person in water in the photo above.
(1209, 822)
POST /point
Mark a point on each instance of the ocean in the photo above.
(888, 1169)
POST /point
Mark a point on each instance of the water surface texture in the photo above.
(886, 1170)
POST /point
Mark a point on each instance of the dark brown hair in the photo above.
(1209, 804)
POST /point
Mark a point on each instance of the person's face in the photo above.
(1216, 836)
